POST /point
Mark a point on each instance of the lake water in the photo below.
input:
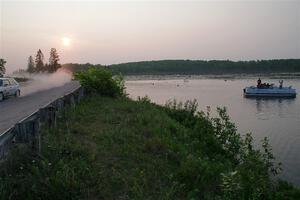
(277, 119)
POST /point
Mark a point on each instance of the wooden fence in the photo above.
(27, 131)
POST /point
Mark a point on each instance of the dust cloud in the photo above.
(44, 81)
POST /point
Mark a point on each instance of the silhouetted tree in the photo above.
(53, 61)
(30, 66)
(2, 67)
(39, 61)
(46, 67)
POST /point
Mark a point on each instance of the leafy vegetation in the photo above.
(116, 148)
(187, 67)
(2, 67)
(101, 81)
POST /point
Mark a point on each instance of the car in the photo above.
(9, 87)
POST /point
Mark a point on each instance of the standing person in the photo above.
(258, 83)
(280, 84)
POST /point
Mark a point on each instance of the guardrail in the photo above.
(27, 131)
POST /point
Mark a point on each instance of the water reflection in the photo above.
(267, 107)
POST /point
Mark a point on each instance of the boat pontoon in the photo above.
(269, 90)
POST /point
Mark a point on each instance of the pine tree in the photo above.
(39, 61)
(53, 61)
(2, 67)
(46, 67)
(30, 66)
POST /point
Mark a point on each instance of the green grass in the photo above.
(116, 148)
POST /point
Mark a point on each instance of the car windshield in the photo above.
(1, 82)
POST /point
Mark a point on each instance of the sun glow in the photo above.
(66, 41)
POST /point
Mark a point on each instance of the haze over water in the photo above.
(277, 119)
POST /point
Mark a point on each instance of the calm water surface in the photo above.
(277, 119)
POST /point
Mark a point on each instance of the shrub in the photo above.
(246, 173)
(101, 81)
(144, 99)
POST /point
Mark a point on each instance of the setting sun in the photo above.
(66, 41)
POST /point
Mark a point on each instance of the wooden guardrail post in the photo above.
(6, 142)
(51, 116)
(36, 135)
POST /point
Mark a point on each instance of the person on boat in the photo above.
(280, 84)
(264, 85)
(258, 83)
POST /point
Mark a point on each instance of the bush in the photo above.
(101, 81)
(242, 172)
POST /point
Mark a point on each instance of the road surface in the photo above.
(12, 110)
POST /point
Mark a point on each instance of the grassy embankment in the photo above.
(116, 148)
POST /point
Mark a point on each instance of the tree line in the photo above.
(208, 67)
(38, 65)
(198, 67)
(165, 67)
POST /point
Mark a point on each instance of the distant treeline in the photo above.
(75, 67)
(169, 67)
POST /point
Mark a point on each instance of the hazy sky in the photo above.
(122, 31)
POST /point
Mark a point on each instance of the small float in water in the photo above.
(269, 90)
